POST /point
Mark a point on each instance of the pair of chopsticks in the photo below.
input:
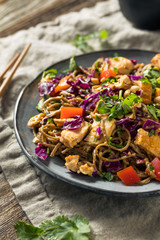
(14, 64)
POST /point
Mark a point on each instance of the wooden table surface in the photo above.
(10, 210)
(22, 14)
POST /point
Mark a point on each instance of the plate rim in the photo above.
(47, 170)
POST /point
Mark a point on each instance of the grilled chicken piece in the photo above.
(123, 65)
(72, 162)
(86, 169)
(150, 144)
(71, 137)
(108, 127)
(93, 134)
(156, 60)
(35, 120)
(146, 91)
(123, 81)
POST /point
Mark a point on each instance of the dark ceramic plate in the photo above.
(25, 107)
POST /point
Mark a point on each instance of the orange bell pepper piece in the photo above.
(107, 73)
(63, 85)
(128, 176)
(157, 92)
(68, 112)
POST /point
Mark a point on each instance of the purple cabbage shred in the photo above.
(133, 61)
(112, 166)
(41, 151)
(134, 77)
(99, 131)
(73, 124)
(130, 124)
(150, 125)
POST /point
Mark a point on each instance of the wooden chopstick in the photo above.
(14, 68)
(10, 64)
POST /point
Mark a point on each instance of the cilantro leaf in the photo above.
(151, 74)
(27, 232)
(145, 80)
(39, 105)
(151, 167)
(73, 65)
(110, 80)
(152, 111)
(81, 41)
(51, 73)
(132, 98)
(114, 144)
(116, 112)
(107, 175)
(152, 132)
(81, 223)
(104, 107)
(97, 119)
(103, 34)
(60, 228)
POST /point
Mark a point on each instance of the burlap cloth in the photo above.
(41, 196)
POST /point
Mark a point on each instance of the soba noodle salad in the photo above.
(103, 120)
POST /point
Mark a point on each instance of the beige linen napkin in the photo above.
(41, 196)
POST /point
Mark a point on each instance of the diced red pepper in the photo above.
(68, 112)
(128, 176)
(108, 73)
(156, 164)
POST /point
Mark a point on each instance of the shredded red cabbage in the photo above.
(83, 83)
(133, 61)
(46, 88)
(41, 151)
(130, 124)
(99, 131)
(107, 60)
(80, 84)
(141, 113)
(150, 125)
(73, 124)
(134, 77)
(112, 166)
(139, 93)
(91, 100)
(91, 75)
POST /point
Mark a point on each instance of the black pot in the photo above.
(144, 14)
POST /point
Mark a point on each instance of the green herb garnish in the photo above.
(57, 229)
(152, 132)
(152, 111)
(117, 109)
(151, 167)
(89, 155)
(41, 101)
(97, 119)
(51, 73)
(50, 120)
(72, 66)
(95, 139)
(81, 41)
(151, 74)
(109, 80)
(48, 150)
(114, 144)
(107, 175)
